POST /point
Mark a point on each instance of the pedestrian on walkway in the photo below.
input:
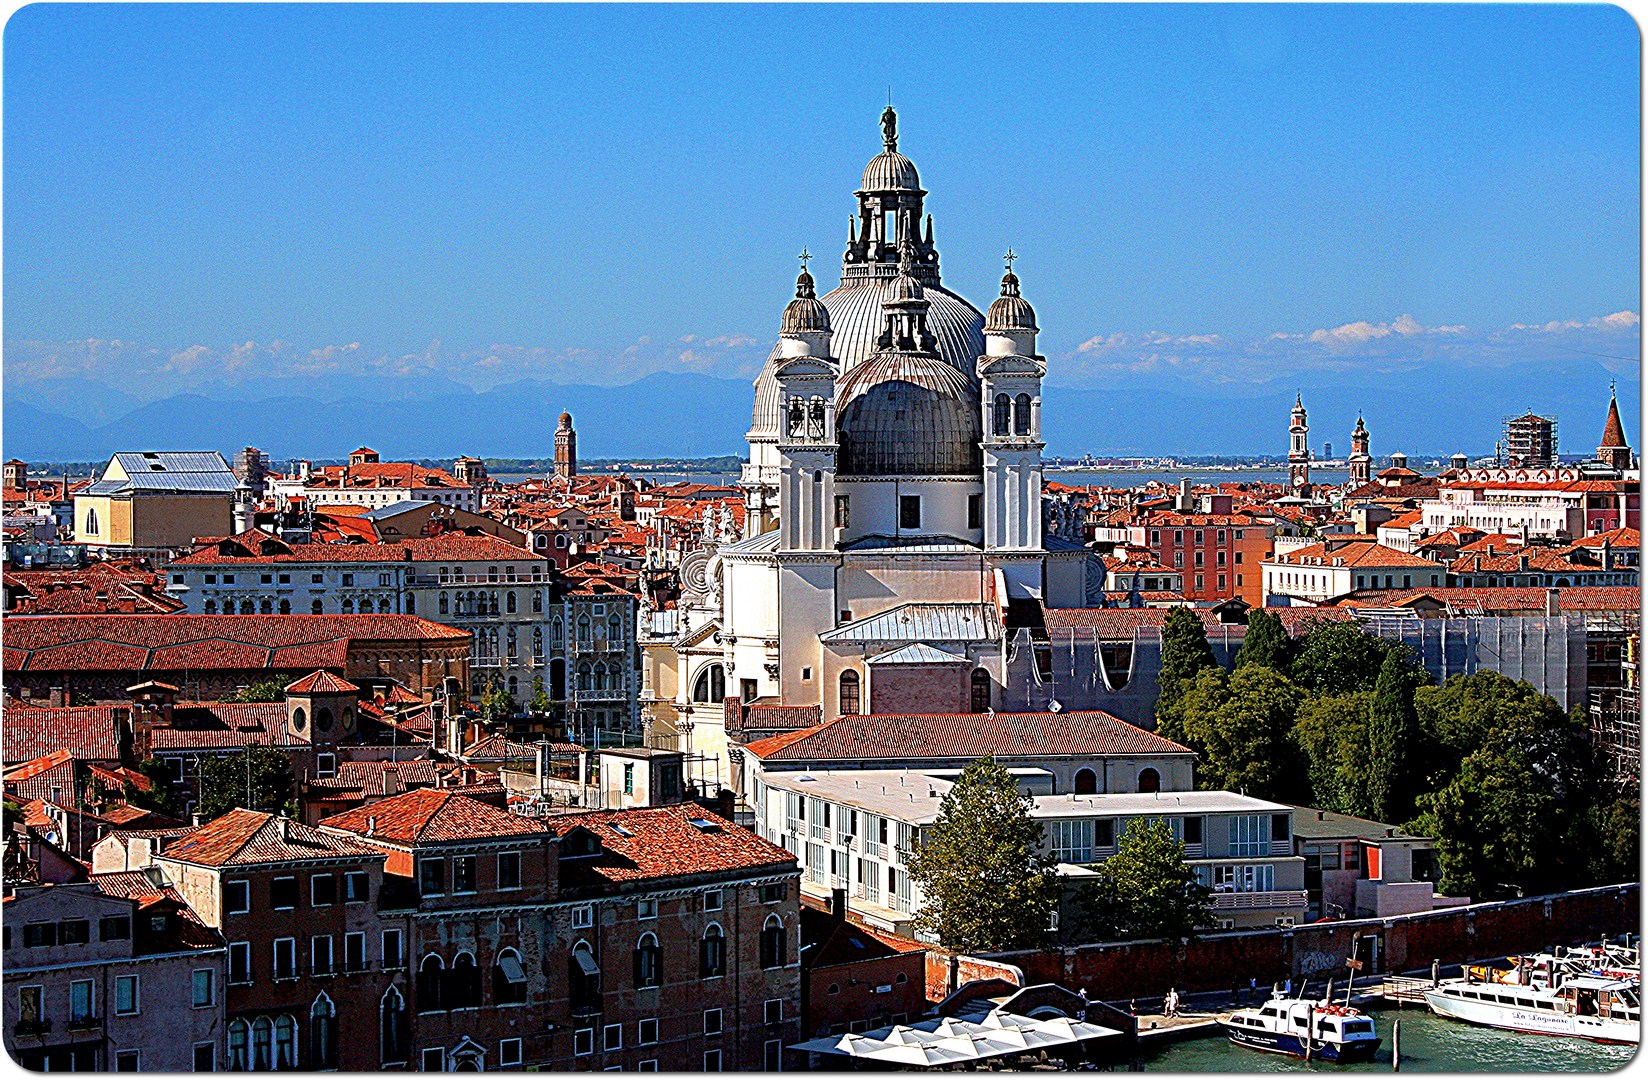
(1253, 987)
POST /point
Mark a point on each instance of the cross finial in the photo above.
(805, 257)
(1009, 259)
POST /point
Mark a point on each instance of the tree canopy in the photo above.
(1338, 658)
(268, 690)
(1185, 654)
(1146, 889)
(1242, 726)
(1395, 743)
(988, 886)
(1266, 642)
(257, 778)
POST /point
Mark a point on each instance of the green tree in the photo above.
(161, 797)
(269, 690)
(1331, 733)
(1266, 642)
(1491, 825)
(1185, 653)
(1242, 725)
(258, 778)
(1146, 889)
(495, 700)
(540, 703)
(1395, 743)
(980, 865)
(1338, 658)
(13, 814)
(1613, 833)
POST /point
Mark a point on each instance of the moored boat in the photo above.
(1304, 1028)
(1596, 1007)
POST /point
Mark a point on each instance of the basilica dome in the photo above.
(907, 414)
(890, 171)
(1011, 312)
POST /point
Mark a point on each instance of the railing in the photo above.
(1228, 901)
(472, 579)
(31, 1027)
(582, 696)
(85, 1023)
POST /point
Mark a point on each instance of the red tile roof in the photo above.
(963, 737)
(322, 682)
(432, 816)
(88, 732)
(203, 642)
(1570, 599)
(257, 548)
(248, 837)
(1352, 553)
(663, 842)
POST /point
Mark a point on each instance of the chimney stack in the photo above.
(371, 826)
(1553, 603)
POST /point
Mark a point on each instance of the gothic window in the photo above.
(981, 690)
(383, 605)
(849, 693)
(774, 952)
(615, 634)
(494, 599)
(286, 1042)
(211, 607)
(537, 600)
(556, 632)
(538, 642)
(648, 962)
(348, 606)
(600, 676)
(91, 526)
(514, 686)
(392, 1038)
(286, 607)
(1003, 414)
(584, 676)
(711, 684)
(323, 1034)
(444, 606)
(245, 607)
(1021, 415)
(1087, 782)
(512, 645)
(583, 629)
(712, 953)
(314, 607)
(509, 602)
(266, 607)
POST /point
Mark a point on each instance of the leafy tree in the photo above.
(1395, 743)
(162, 797)
(268, 690)
(495, 701)
(1613, 836)
(1242, 725)
(1185, 653)
(1266, 643)
(1146, 889)
(1469, 712)
(258, 778)
(13, 813)
(540, 703)
(1332, 734)
(1492, 827)
(987, 884)
(1338, 658)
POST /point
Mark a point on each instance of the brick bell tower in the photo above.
(566, 448)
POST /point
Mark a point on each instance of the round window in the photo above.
(323, 719)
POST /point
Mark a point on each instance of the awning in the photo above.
(511, 967)
(586, 962)
(948, 1040)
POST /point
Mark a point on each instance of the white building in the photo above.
(893, 490)
(1333, 567)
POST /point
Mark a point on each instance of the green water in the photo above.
(1429, 1044)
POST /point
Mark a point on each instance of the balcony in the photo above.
(587, 697)
(1254, 901)
(31, 1028)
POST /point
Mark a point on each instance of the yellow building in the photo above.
(149, 502)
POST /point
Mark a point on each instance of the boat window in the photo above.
(1359, 1027)
(1298, 1021)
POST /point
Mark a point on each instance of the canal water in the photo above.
(1429, 1044)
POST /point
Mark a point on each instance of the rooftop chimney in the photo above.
(371, 826)
(1553, 603)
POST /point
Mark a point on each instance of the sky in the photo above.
(1216, 200)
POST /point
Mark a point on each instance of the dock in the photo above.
(1401, 990)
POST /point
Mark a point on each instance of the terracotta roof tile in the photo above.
(432, 816)
(248, 837)
(322, 682)
(88, 732)
(963, 736)
(663, 842)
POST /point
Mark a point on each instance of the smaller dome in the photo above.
(806, 313)
(565, 421)
(890, 171)
(1011, 312)
(905, 289)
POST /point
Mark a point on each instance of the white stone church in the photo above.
(894, 496)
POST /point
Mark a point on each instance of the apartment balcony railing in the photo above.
(25, 1028)
(1249, 901)
(588, 696)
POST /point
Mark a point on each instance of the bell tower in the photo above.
(1010, 375)
(1299, 450)
(566, 448)
(1360, 463)
(807, 434)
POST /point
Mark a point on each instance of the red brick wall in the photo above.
(872, 991)
(919, 688)
(1217, 962)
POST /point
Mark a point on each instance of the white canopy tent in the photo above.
(949, 1040)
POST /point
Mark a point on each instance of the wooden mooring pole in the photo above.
(1396, 1046)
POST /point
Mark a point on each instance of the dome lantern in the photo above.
(805, 328)
(1010, 324)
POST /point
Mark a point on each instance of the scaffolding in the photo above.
(1615, 700)
(1530, 441)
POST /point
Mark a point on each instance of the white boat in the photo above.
(1288, 1025)
(1596, 1007)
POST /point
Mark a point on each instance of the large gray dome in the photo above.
(907, 414)
(890, 171)
(855, 318)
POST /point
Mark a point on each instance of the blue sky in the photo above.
(1204, 197)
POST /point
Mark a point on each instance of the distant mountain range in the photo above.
(1422, 411)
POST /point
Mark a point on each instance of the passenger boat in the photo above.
(1599, 1007)
(1304, 1028)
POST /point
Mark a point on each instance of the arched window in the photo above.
(557, 632)
(849, 693)
(261, 1032)
(711, 684)
(392, 1022)
(538, 642)
(211, 607)
(246, 607)
(981, 690)
(323, 1034)
(1021, 415)
(537, 600)
(1150, 780)
(1087, 782)
(443, 605)
(511, 641)
(557, 679)
(494, 603)
(648, 962)
(383, 605)
(286, 1042)
(347, 606)
(509, 602)
(428, 989)
(239, 1059)
(583, 629)
(1003, 414)
(91, 524)
(584, 980)
(712, 953)
(774, 952)
(314, 607)
(464, 983)
(600, 676)
(508, 979)
(615, 632)
(584, 676)
(266, 606)
(286, 607)
(514, 686)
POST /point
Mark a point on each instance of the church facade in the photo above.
(895, 529)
